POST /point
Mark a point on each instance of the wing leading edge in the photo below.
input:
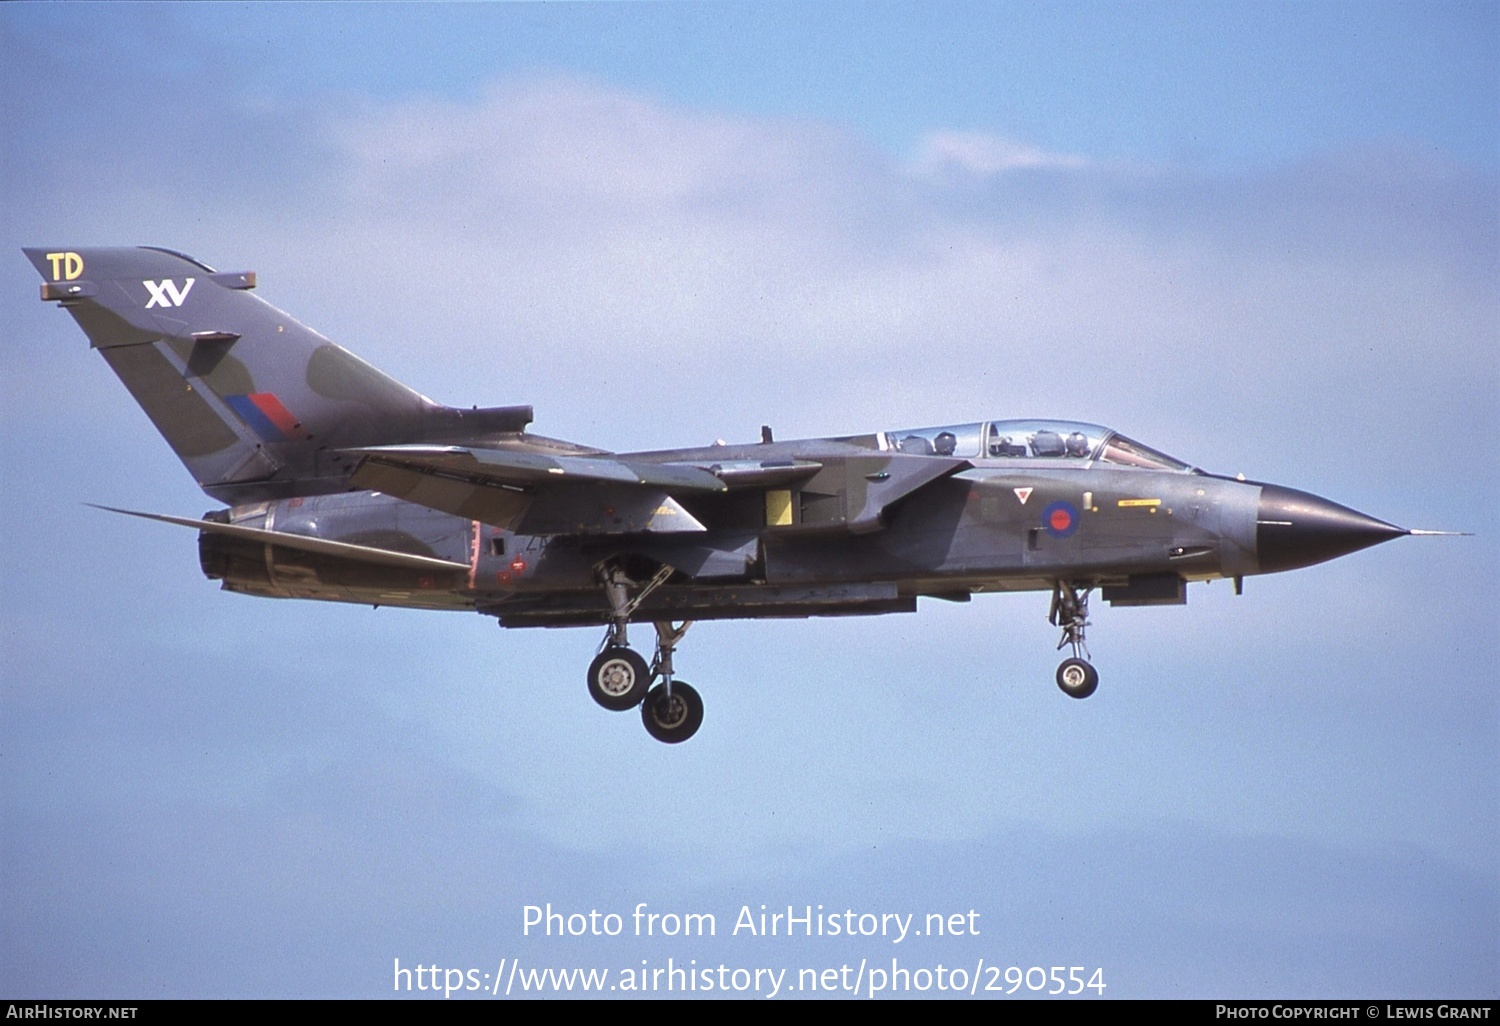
(534, 493)
(544, 494)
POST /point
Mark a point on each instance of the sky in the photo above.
(1261, 237)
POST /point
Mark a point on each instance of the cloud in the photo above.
(734, 269)
(663, 246)
(979, 153)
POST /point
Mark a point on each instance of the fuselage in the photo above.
(1018, 518)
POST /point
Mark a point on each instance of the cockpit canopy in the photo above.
(1060, 440)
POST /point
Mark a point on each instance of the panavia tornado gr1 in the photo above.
(341, 483)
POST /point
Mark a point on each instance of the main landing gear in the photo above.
(619, 678)
(1070, 611)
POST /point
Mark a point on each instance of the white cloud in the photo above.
(649, 273)
(727, 267)
(980, 153)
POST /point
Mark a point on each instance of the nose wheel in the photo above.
(1077, 678)
(1070, 611)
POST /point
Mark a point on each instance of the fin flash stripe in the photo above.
(267, 417)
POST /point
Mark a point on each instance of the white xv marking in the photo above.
(166, 293)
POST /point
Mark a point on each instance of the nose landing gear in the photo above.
(1077, 678)
(1070, 611)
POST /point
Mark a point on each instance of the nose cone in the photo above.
(1295, 529)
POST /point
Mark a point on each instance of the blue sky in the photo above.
(1261, 237)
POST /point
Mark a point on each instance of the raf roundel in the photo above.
(1060, 519)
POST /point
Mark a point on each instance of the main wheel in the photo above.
(618, 678)
(675, 719)
(1077, 678)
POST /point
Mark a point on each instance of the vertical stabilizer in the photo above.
(255, 404)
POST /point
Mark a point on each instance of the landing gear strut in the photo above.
(672, 711)
(1070, 611)
(619, 678)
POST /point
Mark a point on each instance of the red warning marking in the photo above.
(518, 565)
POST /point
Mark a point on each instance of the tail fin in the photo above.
(256, 405)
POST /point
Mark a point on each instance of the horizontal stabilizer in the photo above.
(321, 546)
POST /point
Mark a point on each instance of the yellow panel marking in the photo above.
(778, 508)
(1125, 503)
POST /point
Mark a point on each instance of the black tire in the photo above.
(672, 720)
(1077, 678)
(618, 678)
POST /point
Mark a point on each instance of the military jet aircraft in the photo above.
(343, 484)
